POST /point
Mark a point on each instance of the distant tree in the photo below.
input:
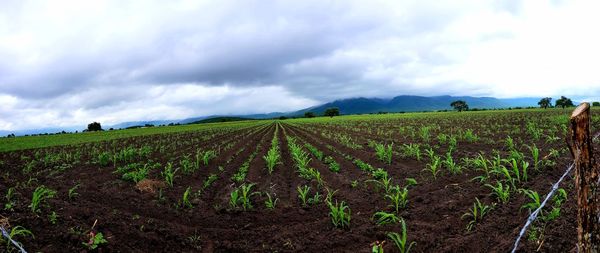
(333, 111)
(95, 126)
(10, 136)
(545, 102)
(596, 104)
(460, 105)
(564, 102)
(309, 115)
(282, 117)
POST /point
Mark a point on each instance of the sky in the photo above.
(68, 63)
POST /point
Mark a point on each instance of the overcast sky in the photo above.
(68, 63)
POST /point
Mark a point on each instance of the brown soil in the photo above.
(147, 218)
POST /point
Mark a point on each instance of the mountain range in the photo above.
(359, 105)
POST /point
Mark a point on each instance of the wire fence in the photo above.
(7, 236)
(535, 213)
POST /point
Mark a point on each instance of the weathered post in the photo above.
(586, 180)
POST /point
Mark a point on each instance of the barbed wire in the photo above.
(7, 235)
(535, 213)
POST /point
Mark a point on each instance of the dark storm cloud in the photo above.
(241, 44)
(69, 61)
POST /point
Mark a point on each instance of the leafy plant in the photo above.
(234, 198)
(53, 218)
(314, 199)
(501, 191)
(383, 218)
(401, 240)
(40, 194)
(270, 203)
(246, 193)
(207, 156)
(476, 214)
(185, 199)
(384, 152)
(535, 154)
(137, 175)
(451, 165)
(96, 239)
(10, 203)
(15, 232)
(534, 197)
(434, 166)
(104, 158)
(272, 159)
(209, 181)
(412, 150)
(73, 191)
(316, 152)
(303, 194)
(398, 197)
(410, 181)
(340, 214)
(330, 195)
(169, 174)
(379, 173)
(384, 182)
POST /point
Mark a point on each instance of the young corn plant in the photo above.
(187, 166)
(333, 165)
(17, 231)
(476, 214)
(520, 173)
(234, 198)
(384, 218)
(384, 183)
(340, 214)
(10, 203)
(398, 197)
(271, 202)
(209, 181)
(535, 200)
(330, 195)
(272, 159)
(384, 152)
(501, 191)
(535, 154)
(245, 195)
(412, 150)
(434, 166)
(40, 195)
(185, 199)
(207, 156)
(73, 191)
(451, 165)
(303, 194)
(169, 174)
(137, 174)
(401, 240)
(316, 152)
(482, 164)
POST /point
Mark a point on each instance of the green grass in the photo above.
(29, 142)
(40, 141)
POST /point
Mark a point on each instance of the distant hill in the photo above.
(413, 104)
(220, 119)
(359, 105)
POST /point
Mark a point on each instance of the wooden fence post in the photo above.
(586, 180)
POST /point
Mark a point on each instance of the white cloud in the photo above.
(68, 62)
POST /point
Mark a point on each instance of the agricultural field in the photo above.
(418, 182)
